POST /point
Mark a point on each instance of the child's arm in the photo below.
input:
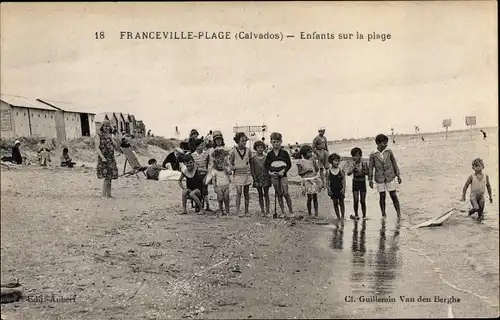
(371, 166)
(343, 181)
(288, 161)
(180, 181)
(214, 180)
(395, 167)
(299, 169)
(467, 183)
(351, 169)
(488, 187)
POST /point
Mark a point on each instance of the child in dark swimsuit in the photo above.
(336, 185)
(194, 185)
(359, 171)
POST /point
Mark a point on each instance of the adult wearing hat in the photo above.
(174, 158)
(193, 140)
(320, 147)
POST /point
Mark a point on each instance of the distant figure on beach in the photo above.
(393, 141)
(43, 153)
(383, 165)
(479, 183)
(261, 177)
(484, 134)
(423, 139)
(16, 153)
(239, 159)
(194, 185)
(311, 183)
(320, 147)
(278, 163)
(105, 146)
(359, 171)
(66, 160)
(174, 158)
(149, 133)
(336, 185)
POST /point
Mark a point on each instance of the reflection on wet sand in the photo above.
(338, 236)
(372, 271)
(358, 250)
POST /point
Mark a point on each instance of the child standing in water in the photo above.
(311, 184)
(242, 177)
(383, 165)
(478, 182)
(359, 171)
(278, 163)
(336, 185)
(261, 177)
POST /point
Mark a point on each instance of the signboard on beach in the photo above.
(447, 123)
(470, 121)
(6, 120)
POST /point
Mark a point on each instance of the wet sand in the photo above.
(133, 256)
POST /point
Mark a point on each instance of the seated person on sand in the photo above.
(17, 157)
(43, 153)
(194, 185)
(154, 169)
(174, 158)
(66, 160)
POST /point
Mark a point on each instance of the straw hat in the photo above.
(321, 129)
(17, 142)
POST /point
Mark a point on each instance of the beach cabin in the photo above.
(71, 120)
(24, 117)
(127, 123)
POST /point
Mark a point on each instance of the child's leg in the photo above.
(278, 194)
(239, 190)
(481, 203)
(382, 203)
(261, 199)
(185, 194)
(196, 195)
(266, 198)
(226, 199)
(355, 197)
(395, 201)
(246, 193)
(342, 208)
(363, 202)
(309, 200)
(475, 205)
(315, 202)
(336, 208)
(284, 187)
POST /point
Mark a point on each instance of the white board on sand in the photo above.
(436, 221)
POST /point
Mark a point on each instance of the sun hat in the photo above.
(321, 129)
(194, 131)
(216, 134)
(17, 142)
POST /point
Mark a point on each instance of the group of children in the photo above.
(243, 167)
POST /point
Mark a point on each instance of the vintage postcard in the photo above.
(249, 160)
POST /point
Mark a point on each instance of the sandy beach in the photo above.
(79, 256)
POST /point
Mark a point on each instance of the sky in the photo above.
(441, 62)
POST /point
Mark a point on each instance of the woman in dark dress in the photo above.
(105, 146)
